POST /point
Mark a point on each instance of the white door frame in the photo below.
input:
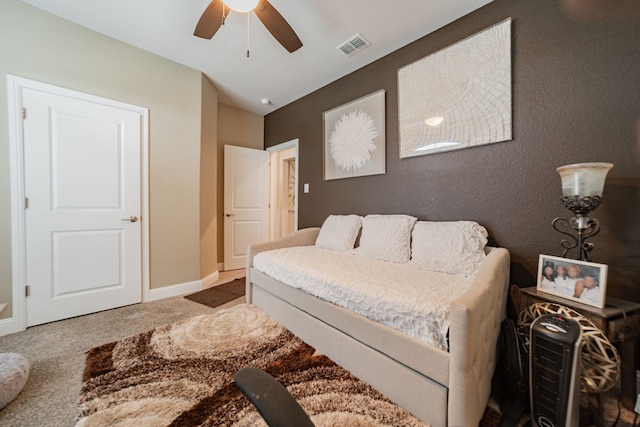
(16, 169)
(273, 183)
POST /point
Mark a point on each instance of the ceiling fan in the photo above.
(215, 14)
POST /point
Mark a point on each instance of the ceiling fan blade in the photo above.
(210, 20)
(277, 26)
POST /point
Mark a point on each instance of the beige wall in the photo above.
(39, 46)
(208, 180)
(240, 128)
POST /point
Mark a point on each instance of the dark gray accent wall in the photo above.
(576, 98)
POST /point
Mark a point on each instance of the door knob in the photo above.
(130, 219)
(228, 215)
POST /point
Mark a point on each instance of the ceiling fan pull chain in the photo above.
(223, 13)
(248, 33)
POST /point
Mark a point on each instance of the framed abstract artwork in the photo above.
(458, 97)
(354, 138)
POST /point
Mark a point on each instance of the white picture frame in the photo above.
(354, 138)
(583, 282)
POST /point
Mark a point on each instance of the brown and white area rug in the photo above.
(182, 375)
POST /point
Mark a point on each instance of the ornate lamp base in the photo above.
(583, 227)
(581, 205)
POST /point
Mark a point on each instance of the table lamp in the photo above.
(582, 186)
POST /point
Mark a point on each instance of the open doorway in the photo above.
(284, 194)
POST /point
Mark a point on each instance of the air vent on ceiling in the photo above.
(353, 45)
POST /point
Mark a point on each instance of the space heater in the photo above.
(554, 374)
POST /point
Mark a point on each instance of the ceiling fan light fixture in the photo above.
(241, 6)
(214, 15)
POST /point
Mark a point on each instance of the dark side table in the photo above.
(620, 322)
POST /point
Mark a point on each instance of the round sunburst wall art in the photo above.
(353, 140)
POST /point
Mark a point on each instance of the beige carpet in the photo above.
(182, 375)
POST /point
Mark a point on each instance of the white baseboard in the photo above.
(8, 326)
(175, 290)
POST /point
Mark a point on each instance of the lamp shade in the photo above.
(241, 5)
(583, 179)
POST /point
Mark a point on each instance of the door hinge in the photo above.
(24, 113)
(26, 203)
(27, 291)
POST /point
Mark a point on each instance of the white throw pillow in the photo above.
(455, 248)
(386, 237)
(339, 232)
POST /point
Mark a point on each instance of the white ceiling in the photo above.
(165, 27)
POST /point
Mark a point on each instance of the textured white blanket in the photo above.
(410, 300)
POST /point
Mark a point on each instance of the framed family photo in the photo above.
(580, 281)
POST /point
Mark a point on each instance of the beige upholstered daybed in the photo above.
(365, 307)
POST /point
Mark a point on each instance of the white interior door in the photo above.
(82, 180)
(246, 202)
